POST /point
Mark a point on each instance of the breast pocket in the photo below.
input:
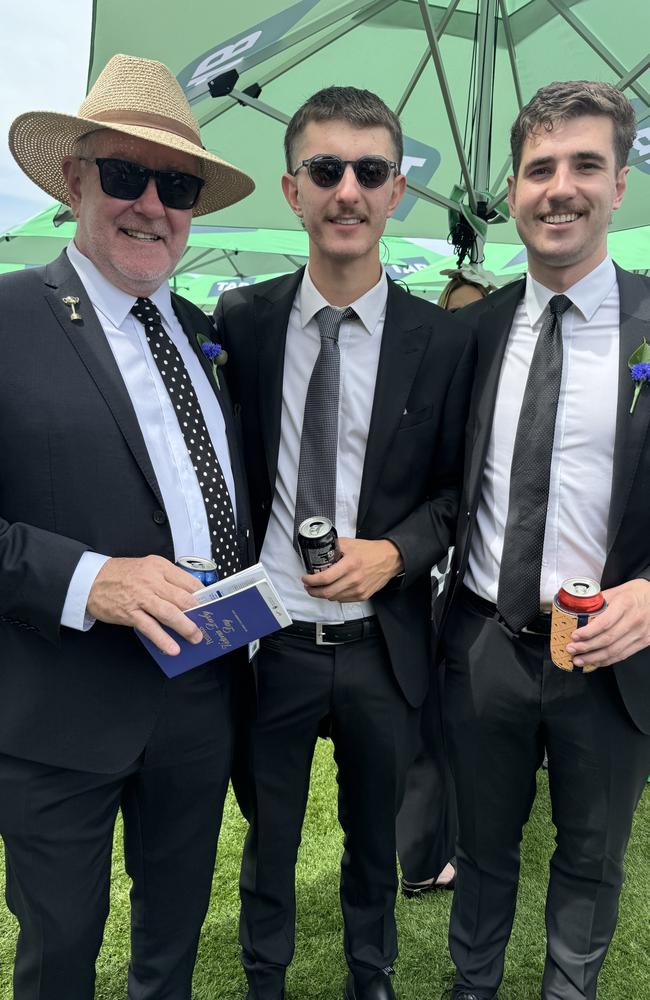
(414, 417)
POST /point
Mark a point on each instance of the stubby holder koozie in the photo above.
(577, 602)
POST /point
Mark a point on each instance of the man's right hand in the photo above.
(145, 593)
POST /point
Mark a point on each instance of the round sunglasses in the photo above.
(126, 180)
(326, 171)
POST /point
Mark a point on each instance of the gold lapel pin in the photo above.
(72, 301)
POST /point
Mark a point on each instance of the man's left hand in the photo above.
(620, 631)
(363, 569)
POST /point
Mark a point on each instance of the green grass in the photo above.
(424, 968)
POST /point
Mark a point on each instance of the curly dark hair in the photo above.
(567, 99)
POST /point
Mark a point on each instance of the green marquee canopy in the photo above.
(456, 73)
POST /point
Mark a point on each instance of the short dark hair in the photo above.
(360, 108)
(558, 102)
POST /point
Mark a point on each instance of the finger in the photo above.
(180, 598)
(168, 614)
(607, 655)
(336, 593)
(182, 579)
(150, 628)
(601, 623)
(585, 647)
(326, 576)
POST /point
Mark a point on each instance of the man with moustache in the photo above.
(353, 397)
(556, 486)
(119, 456)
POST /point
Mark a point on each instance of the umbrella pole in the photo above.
(486, 40)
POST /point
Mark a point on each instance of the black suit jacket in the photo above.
(628, 548)
(413, 464)
(75, 476)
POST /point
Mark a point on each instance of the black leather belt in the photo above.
(541, 625)
(334, 635)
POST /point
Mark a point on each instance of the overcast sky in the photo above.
(44, 48)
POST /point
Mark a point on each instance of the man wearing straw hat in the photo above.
(119, 456)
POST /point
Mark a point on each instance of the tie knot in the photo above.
(329, 320)
(145, 311)
(559, 305)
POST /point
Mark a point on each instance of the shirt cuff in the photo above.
(74, 608)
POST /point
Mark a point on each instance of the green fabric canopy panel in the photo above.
(291, 50)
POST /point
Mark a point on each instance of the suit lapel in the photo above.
(193, 323)
(492, 336)
(89, 341)
(272, 311)
(631, 428)
(402, 347)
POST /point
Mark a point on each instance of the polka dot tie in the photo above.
(218, 505)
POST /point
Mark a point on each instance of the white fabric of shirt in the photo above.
(179, 488)
(359, 343)
(580, 487)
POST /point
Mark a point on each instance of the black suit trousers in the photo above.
(426, 823)
(372, 729)
(505, 701)
(57, 826)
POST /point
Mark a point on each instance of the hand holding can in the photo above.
(577, 602)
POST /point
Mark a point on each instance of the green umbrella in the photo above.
(457, 74)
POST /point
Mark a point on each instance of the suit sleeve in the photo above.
(36, 567)
(424, 537)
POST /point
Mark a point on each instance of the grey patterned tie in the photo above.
(316, 489)
(523, 543)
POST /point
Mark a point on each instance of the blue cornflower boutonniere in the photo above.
(639, 364)
(215, 353)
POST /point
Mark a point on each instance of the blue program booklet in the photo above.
(232, 613)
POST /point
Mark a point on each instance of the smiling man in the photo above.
(556, 487)
(102, 488)
(353, 400)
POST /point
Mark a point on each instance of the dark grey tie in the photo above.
(316, 489)
(218, 505)
(523, 543)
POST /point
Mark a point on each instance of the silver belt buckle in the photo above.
(320, 641)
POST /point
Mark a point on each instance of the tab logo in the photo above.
(410, 265)
(419, 164)
(234, 53)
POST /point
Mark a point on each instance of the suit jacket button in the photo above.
(160, 517)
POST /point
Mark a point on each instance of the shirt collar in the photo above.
(109, 300)
(587, 295)
(370, 307)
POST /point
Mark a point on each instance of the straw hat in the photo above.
(139, 97)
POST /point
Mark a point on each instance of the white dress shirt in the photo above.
(155, 414)
(359, 342)
(580, 485)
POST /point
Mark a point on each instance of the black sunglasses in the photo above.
(326, 171)
(126, 180)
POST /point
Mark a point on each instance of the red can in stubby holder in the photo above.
(577, 602)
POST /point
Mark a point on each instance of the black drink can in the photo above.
(318, 543)
(203, 569)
